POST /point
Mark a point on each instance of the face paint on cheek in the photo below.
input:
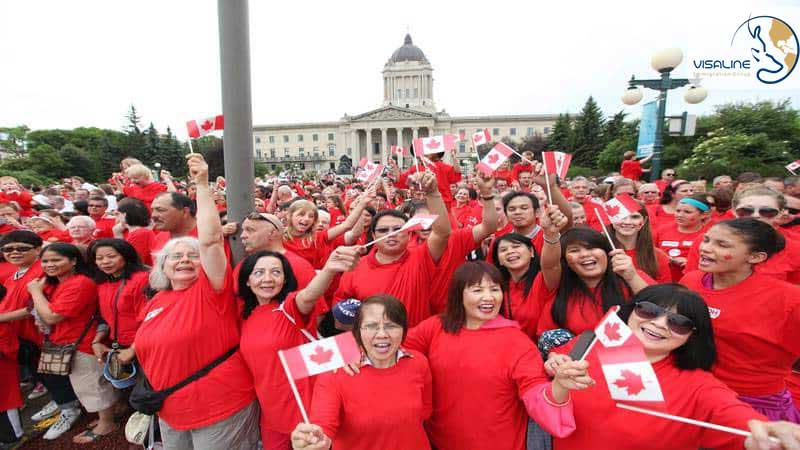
(727, 257)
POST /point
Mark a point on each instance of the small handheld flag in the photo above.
(202, 127)
(481, 138)
(496, 156)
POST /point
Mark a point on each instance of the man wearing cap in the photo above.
(340, 318)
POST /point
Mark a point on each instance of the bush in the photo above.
(27, 177)
(580, 171)
(736, 153)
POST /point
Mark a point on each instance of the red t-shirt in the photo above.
(22, 198)
(7, 270)
(10, 395)
(313, 249)
(664, 275)
(479, 377)
(161, 238)
(659, 217)
(695, 394)
(591, 217)
(76, 300)
(756, 329)
(445, 176)
(524, 309)
(459, 245)
(504, 174)
(142, 240)
(144, 193)
(346, 409)
(18, 297)
(266, 331)
(520, 167)
(103, 228)
(55, 235)
(675, 244)
(408, 278)
(130, 301)
(182, 331)
(467, 215)
(631, 169)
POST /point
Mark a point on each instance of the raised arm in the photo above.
(440, 230)
(552, 222)
(488, 225)
(557, 198)
(209, 226)
(352, 235)
(341, 260)
(352, 219)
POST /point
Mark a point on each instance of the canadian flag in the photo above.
(199, 128)
(496, 156)
(793, 166)
(481, 137)
(628, 373)
(368, 171)
(397, 150)
(419, 222)
(321, 356)
(557, 163)
(450, 141)
(620, 207)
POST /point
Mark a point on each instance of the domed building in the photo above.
(407, 112)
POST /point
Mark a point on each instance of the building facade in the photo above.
(407, 112)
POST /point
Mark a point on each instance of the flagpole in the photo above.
(698, 423)
(588, 349)
(605, 230)
(547, 182)
(191, 150)
(294, 387)
(791, 171)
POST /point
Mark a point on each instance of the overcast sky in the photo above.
(82, 63)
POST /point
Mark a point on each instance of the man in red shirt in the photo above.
(631, 168)
(97, 211)
(173, 215)
(667, 177)
(445, 175)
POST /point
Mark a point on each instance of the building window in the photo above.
(416, 93)
(331, 150)
(315, 137)
(495, 131)
(272, 139)
(285, 138)
(258, 153)
(302, 166)
(299, 138)
(330, 136)
(462, 148)
(530, 131)
(333, 166)
(286, 152)
(399, 93)
(546, 130)
(258, 140)
(302, 151)
(512, 131)
(272, 152)
(316, 151)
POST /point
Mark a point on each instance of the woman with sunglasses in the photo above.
(676, 237)
(633, 234)
(664, 212)
(673, 325)
(765, 205)
(756, 318)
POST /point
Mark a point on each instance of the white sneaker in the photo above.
(49, 410)
(63, 424)
(38, 391)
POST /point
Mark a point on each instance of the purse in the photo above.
(148, 401)
(115, 367)
(57, 359)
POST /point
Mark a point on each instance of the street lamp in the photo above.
(664, 62)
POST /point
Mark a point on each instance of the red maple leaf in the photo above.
(631, 381)
(433, 144)
(492, 158)
(611, 331)
(611, 210)
(207, 125)
(321, 356)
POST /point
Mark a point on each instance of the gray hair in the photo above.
(88, 221)
(719, 178)
(158, 279)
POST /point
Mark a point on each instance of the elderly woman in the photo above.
(488, 376)
(190, 323)
(65, 301)
(344, 412)
(81, 230)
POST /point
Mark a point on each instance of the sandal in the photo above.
(90, 436)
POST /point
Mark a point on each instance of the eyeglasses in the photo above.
(748, 211)
(389, 328)
(17, 248)
(648, 192)
(385, 230)
(677, 323)
(179, 256)
(669, 174)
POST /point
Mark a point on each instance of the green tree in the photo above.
(588, 134)
(614, 127)
(561, 138)
(152, 144)
(14, 138)
(626, 137)
(535, 143)
(78, 163)
(45, 160)
(736, 153)
(172, 154)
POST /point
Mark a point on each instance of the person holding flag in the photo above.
(633, 234)
(445, 173)
(671, 324)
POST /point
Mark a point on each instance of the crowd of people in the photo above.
(465, 327)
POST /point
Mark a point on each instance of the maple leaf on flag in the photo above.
(612, 210)
(493, 158)
(434, 144)
(630, 381)
(611, 331)
(207, 125)
(320, 355)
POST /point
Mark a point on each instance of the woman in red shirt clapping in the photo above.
(344, 411)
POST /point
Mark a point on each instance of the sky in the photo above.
(83, 63)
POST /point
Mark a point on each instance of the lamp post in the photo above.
(664, 62)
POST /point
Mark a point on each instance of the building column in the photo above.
(384, 144)
(354, 146)
(369, 144)
(414, 135)
(399, 140)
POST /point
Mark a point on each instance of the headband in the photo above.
(677, 182)
(696, 203)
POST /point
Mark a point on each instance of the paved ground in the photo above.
(33, 440)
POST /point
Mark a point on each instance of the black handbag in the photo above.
(148, 401)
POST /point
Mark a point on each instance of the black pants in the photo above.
(7, 434)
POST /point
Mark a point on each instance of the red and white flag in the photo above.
(419, 222)
(612, 331)
(200, 128)
(620, 207)
(557, 163)
(321, 356)
(429, 145)
(496, 156)
(481, 137)
(368, 171)
(793, 166)
(397, 150)
(450, 141)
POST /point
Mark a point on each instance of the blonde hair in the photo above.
(8, 178)
(139, 170)
(760, 191)
(300, 205)
(129, 162)
(158, 279)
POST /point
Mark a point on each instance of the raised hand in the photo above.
(198, 168)
(308, 436)
(622, 264)
(342, 259)
(552, 220)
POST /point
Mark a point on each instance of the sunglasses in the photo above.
(17, 248)
(677, 323)
(748, 211)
